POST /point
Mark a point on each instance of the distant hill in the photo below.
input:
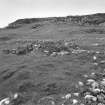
(94, 19)
(56, 28)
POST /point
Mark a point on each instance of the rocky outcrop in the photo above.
(95, 19)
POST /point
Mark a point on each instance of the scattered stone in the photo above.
(94, 57)
(97, 52)
(89, 81)
(86, 76)
(5, 101)
(15, 95)
(90, 97)
(95, 64)
(95, 44)
(76, 94)
(91, 92)
(68, 96)
(74, 101)
(80, 83)
(95, 85)
(100, 104)
(82, 104)
(96, 90)
(93, 74)
(103, 82)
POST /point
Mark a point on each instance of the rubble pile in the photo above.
(49, 48)
(92, 91)
(20, 50)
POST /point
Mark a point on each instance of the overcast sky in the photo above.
(10, 10)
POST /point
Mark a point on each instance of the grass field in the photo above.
(37, 76)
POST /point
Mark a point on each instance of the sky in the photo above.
(11, 10)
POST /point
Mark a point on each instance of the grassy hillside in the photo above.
(35, 76)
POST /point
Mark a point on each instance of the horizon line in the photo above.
(52, 17)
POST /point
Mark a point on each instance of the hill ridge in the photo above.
(92, 19)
